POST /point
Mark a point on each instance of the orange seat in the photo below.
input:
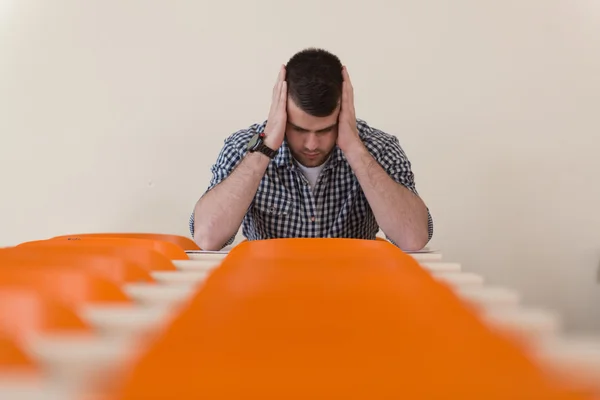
(112, 267)
(182, 241)
(24, 310)
(167, 249)
(67, 284)
(328, 326)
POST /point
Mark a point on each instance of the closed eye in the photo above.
(326, 130)
(320, 131)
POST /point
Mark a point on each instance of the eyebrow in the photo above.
(308, 130)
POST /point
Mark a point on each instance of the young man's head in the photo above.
(314, 85)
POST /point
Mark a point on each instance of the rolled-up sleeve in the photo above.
(395, 162)
(229, 157)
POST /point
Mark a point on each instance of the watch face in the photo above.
(253, 142)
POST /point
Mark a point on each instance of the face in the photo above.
(310, 139)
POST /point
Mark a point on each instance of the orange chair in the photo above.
(316, 248)
(112, 267)
(24, 310)
(182, 241)
(330, 326)
(315, 251)
(167, 249)
(142, 256)
(70, 285)
(13, 357)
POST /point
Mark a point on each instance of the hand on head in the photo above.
(276, 123)
(347, 129)
(277, 120)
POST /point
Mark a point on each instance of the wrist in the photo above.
(259, 144)
(354, 149)
(259, 157)
(271, 142)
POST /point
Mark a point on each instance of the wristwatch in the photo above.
(256, 143)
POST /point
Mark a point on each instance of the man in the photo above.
(312, 169)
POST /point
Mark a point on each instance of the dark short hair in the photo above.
(314, 81)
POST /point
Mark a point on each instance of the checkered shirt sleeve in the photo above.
(231, 154)
(389, 154)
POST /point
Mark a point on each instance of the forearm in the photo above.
(400, 213)
(219, 213)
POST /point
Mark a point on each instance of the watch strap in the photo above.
(266, 150)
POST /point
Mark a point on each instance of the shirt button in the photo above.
(312, 219)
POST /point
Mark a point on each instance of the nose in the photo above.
(312, 143)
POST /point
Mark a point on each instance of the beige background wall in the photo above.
(111, 113)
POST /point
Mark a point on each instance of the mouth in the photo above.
(311, 155)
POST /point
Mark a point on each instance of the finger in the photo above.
(351, 95)
(275, 98)
(350, 88)
(281, 110)
(274, 91)
(345, 97)
(276, 87)
(346, 75)
(348, 100)
(283, 95)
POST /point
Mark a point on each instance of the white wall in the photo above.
(111, 113)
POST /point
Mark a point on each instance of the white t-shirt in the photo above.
(311, 174)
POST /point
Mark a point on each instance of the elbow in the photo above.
(419, 237)
(414, 245)
(416, 242)
(204, 240)
(207, 245)
(203, 237)
(203, 231)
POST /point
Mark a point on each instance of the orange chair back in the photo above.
(25, 310)
(327, 326)
(308, 248)
(167, 249)
(111, 267)
(181, 241)
(67, 284)
(142, 256)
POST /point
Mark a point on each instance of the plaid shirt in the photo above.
(285, 206)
